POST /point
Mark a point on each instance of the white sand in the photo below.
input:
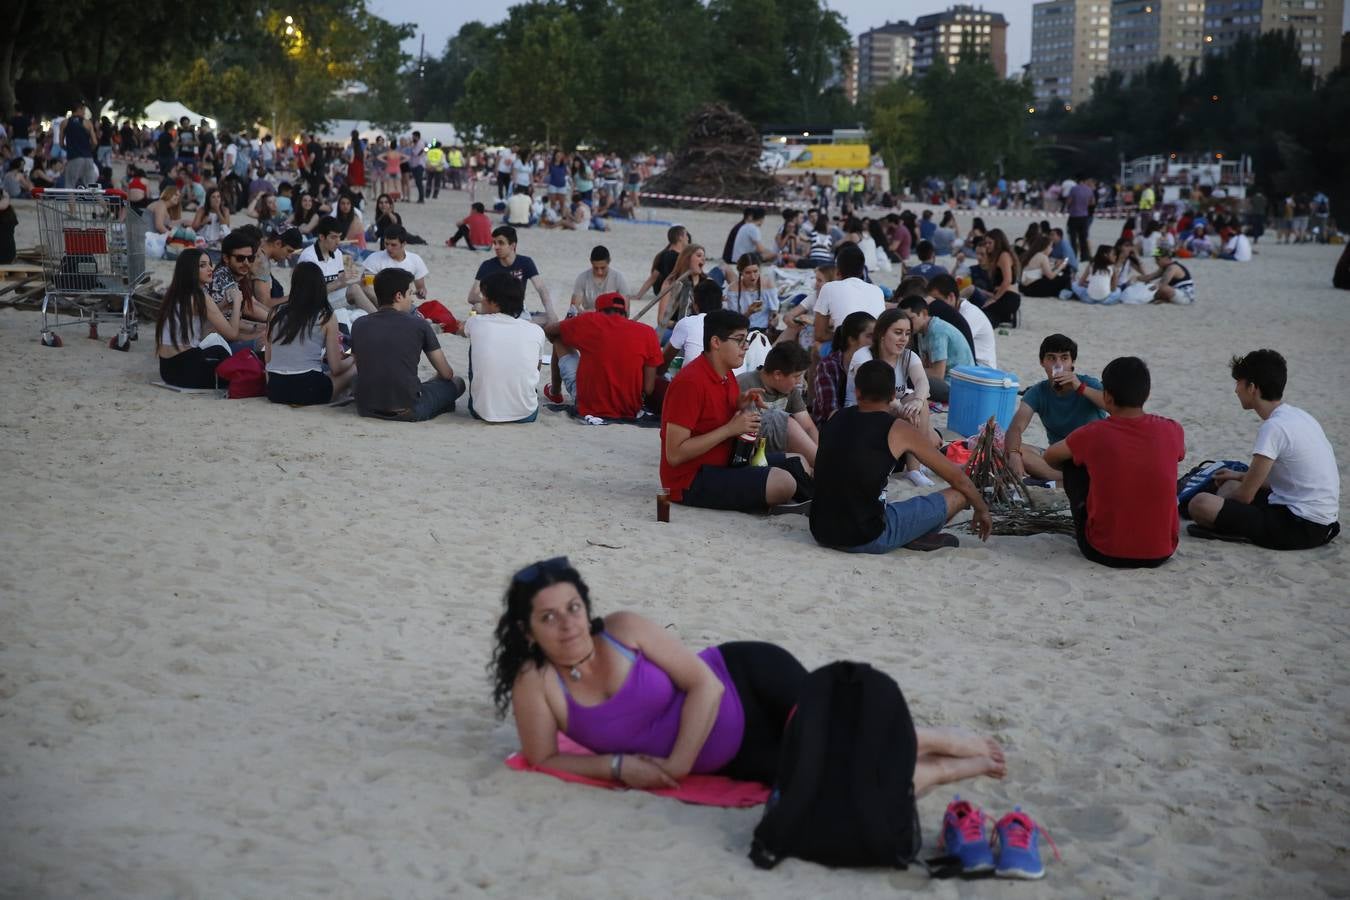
(242, 646)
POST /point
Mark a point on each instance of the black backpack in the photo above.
(844, 795)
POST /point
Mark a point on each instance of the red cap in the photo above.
(612, 300)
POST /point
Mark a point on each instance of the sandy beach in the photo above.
(242, 646)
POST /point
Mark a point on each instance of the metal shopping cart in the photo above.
(93, 256)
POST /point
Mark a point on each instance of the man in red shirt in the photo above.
(475, 229)
(617, 365)
(703, 413)
(1121, 474)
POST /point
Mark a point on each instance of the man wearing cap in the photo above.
(617, 363)
(1175, 284)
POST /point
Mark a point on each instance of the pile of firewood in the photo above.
(1014, 509)
(720, 158)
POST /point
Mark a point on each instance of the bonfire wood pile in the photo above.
(719, 159)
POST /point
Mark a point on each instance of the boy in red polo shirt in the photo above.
(704, 412)
(1121, 474)
(617, 365)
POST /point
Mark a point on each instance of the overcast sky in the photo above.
(861, 15)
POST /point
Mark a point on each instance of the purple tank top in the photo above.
(644, 716)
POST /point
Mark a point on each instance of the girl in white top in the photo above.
(302, 334)
(212, 221)
(890, 344)
(1041, 275)
(752, 296)
(1097, 284)
(186, 317)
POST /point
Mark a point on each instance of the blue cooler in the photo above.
(978, 392)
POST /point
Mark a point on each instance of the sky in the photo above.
(860, 15)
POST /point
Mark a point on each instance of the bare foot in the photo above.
(956, 742)
(995, 765)
(995, 753)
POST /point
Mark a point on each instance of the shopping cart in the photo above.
(93, 256)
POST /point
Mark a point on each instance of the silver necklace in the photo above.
(574, 670)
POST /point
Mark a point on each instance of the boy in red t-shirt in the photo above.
(617, 365)
(475, 229)
(1121, 474)
(704, 411)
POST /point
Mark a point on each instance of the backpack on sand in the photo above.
(844, 795)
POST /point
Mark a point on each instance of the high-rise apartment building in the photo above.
(1148, 31)
(944, 35)
(1070, 45)
(1316, 25)
(885, 54)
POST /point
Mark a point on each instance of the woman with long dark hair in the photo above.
(185, 319)
(752, 296)
(1041, 275)
(677, 293)
(305, 214)
(301, 335)
(349, 218)
(212, 220)
(830, 380)
(651, 709)
(1002, 301)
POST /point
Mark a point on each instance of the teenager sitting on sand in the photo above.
(829, 383)
(606, 361)
(475, 229)
(504, 354)
(387, 345)
(784, 423)
(686, 338)
(651, 709)
(677, 291)
(859, 449)
(1289, 497)
(844, 296)
(1065, 401)
(1175, 284)
(970, 320)
(506, 259)
(941, 346)
(890, 344)
(677, 238)
(753, 296)
(703, 413)
(1121, 474)
(185, 317)
(600, 278)
(301, 336)
(344, 286)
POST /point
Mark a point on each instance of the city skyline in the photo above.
(859, 15)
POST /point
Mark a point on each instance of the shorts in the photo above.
(193, 368)
(304, 389)
(1184, 295)
(905, 521)
(739, 489)
(1271, 525)
(773, 427)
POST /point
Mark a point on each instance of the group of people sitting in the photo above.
(835, 406)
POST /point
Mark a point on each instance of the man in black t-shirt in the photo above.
(522, 268)
(387, 346)
(677, 238)
(859, 449)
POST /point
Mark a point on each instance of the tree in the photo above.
(975, 119)
(435, 88)
(537, 82)
(895, 118)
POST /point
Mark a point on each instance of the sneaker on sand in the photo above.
(550, 396)
(933, 540)
(1019, 852)
(963, 837)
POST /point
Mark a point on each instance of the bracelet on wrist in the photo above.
(616, 767)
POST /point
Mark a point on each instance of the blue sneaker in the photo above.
(963, 837)
(1019, 853)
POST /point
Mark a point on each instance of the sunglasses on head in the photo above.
(534, 571)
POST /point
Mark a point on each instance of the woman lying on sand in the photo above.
(653, 710)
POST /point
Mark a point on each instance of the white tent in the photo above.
(158, 113)
(340, 131)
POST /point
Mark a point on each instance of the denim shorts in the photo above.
(905, 521)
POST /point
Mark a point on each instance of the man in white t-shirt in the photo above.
(506, 159)
(943, 288)
(504, 354)
(686, 338)
(1289, 497)
(1238, 248)
(395, 255)
(749, 239)
(344, 288)
(600, 278)
(520, 208)
(849, 294)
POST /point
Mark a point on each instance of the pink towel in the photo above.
(703, 790)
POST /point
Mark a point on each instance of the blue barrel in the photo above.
(978, 392)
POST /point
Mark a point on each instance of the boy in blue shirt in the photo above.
(942, 347)
(1065, 401)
